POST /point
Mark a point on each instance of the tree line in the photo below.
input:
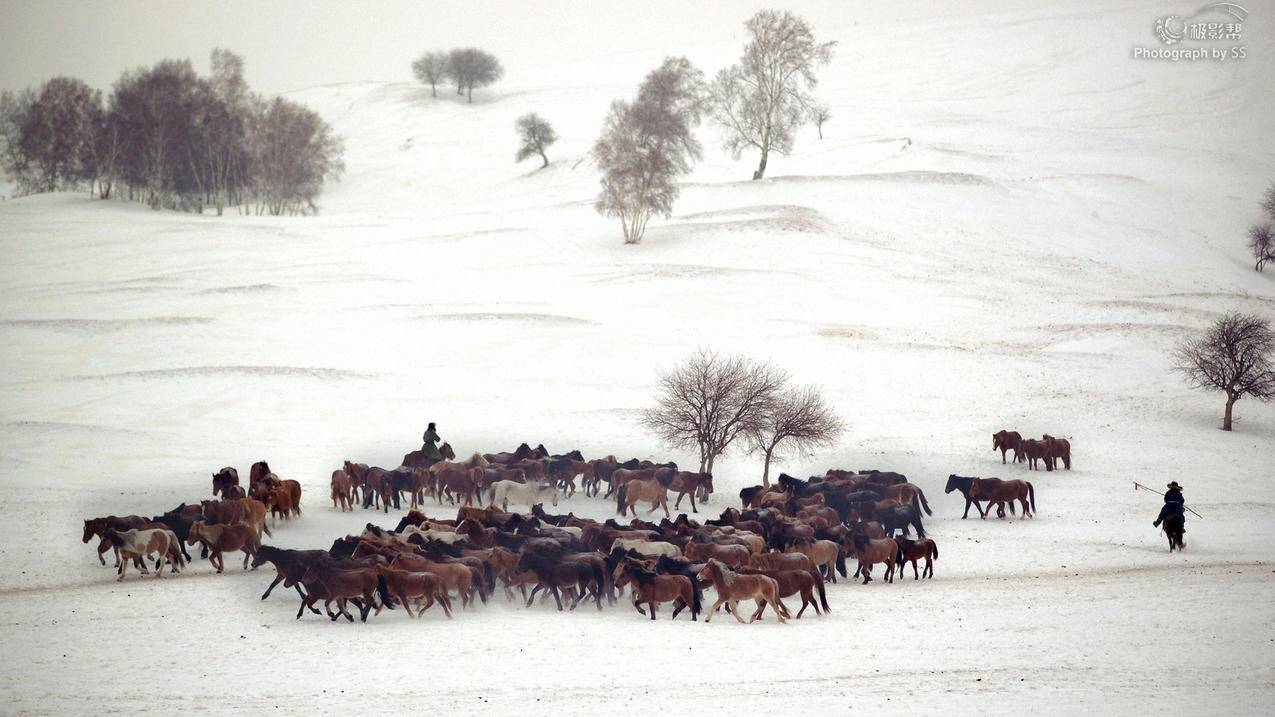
(168, 138)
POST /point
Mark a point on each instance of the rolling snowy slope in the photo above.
(1009, 223)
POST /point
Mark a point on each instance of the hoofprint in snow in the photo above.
(1008, 230)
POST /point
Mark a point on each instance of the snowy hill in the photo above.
(1008, 224)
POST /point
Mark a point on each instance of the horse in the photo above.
(1001, 492)
(418, 459)
(962, 483)
(914, 550)
(732, 587)
(97, 527)
(1175, 527)
(892, 517)
(341, 490)
(404, 585)
(280, 502)
(523, 451)
(358, 478)
(1005, 441)
(903, 494)
(1055, 449)
(523, 493)
(459, 576)
(457, 478)
(648, 548)
(690, 483)
(331, 581)
(823, 553)
(556, 569)
(781, 561)
(224, 538)
(628, 495)
(732, 556)
(1034, 451)
(179, 521)
(792, 582)
(871, 551)
(653, 589)
(224, 479)
(139, 543)
(289, 566)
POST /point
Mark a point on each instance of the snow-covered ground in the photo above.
(1009, 223)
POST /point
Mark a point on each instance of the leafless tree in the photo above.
(431, 69)
(535, 134)
(819, 114)
(647, 144)
(1235, 357)
(1260, 240)
(798, 417)
(471, 67)
(761, 101)
(710, 400)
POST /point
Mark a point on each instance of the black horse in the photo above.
(895, 517)
(1174, 527)
(962, 483)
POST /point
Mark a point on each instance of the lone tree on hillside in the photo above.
(1260, 239)
(761, 101)
(798, 417)
(1236, 357)
(647, 144)
(471, 67)
(534, 136)
(431, 69)
(709, 400)
(819, 114)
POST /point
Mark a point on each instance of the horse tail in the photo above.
(934, 550)
(823, 597)
(916, 521)
(620, 493)
(489, 579)
(697, 597)
(384, 590)
(841, 562)
(920, 494)
(1031, 495)
(482, 584)
(599, 576)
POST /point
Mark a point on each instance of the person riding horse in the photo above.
(1174, 504)
(430, 438)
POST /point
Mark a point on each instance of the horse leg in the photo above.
(775, 606)
(637, 601)
(966, 514)
(713, 610)
(651, 602)
(734, 610)
(553, 589)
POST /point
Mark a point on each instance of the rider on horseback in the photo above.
(430, 438)
(1174, 504)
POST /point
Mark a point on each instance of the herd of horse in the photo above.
(785, 540)
(1045, 451)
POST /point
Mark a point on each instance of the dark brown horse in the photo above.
(1000, 492)
(1005, 441)
(914, 550)
(1174, 525)
(1034, 451)
(223, 479)
(962, 483)
(1056, 449)
(690, 483)
(791, 582)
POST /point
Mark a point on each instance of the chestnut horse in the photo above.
(654, 589)
(1000, 492)
(425, 587)
(690, 483)
(914, 550)
(628, 495)
(224, 479)
(1007, 441)
(457, 478)
(1055, 449)
(224, 539)
(872, 551)
(791, 582)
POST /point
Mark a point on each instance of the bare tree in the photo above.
(709, 400)
(471, 67)
(534, 136)
(819, 114)
(761, 101)
(1234, 357)
(798, 417)
(1260, 240)
(431, 69)
(647, 144)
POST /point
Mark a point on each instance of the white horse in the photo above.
(649, 548)
(140, 543)
(504, 491)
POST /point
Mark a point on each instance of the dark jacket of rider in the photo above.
(1174, 504)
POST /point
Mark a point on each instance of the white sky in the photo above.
(290, 45)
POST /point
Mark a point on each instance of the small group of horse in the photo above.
(233, 523)
(1034, 452)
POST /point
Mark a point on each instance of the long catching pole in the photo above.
(1137, 485)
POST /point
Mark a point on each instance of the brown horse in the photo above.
(791, 582)
(628, 495)
(732, 556)
(823, 553)
(914, 550)
(341, 491)
(425, 587)
(455, 576)
(690, 483)
(1174, 528)
(1005, 441)
(872, 551)
(1034, 451)
(279, 501)
(1056, 449)
(224, 479)
(331, 581)
(459, 479)
(97, 527)
(903, 494)
(1000, 492)
(224, 539)
(781, 561)
(732, 587)
(358, 476)
(654, 589)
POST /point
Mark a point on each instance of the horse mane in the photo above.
(728, 577)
